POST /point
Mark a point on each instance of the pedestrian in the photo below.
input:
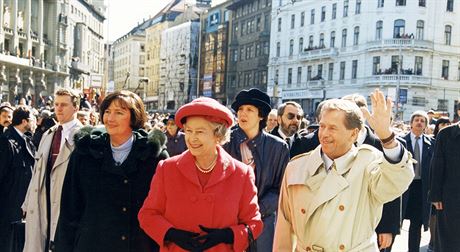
(176, 138)
(203, 199)
(42, 202)
(17, 161)
(332, 197)
(6, 114)
(107, 180)
(272, 120)
(44, 122)
(267, 154)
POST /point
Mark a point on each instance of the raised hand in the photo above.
(380, 119)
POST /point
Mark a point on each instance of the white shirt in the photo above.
(66, 130)
(291, 139)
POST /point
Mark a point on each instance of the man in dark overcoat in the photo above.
(445, 188)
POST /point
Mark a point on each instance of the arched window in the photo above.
(356, 36)
(321, 40)
(448, 34)
(300, 45)
(420, 28)
(378, 30)
(344, 38)
(399, 28)
(332, 43)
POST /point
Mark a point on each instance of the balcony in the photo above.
(405, 80)
(80, 67)
(14, 60)
(8, 30)
(404, 44)
(22, 34)
(315, 84)
(317, 54)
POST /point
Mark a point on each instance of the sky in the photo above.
(122, 18)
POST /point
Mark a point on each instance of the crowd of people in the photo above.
(248, 177)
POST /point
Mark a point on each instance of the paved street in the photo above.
(401, 240)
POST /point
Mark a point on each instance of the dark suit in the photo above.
(16, 164)
(416, 207)
(301, 143)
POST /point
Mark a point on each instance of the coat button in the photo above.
(193, 198)
(302, 211)
(124, 209)
(125, 181)
(123, 237)
(342, 247)
(308, 249)
(341, 207)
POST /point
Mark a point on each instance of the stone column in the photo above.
(40, 31)
(28, 28)
(14, 82)
(2, 33)
(15, 41)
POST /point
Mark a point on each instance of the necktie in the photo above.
(56, 145)
(288, 141)
(417, 157)
(331, 167)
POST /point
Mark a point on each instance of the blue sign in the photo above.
(403, 96)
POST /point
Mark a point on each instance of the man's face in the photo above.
(31, 125)
(84, 119)
(290, 120)
(272, 122)
(5, 117)
(334, 137)
(418, 125)
(64, 108)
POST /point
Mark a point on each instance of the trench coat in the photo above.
(177, 199)
(101, 200)
(35, 202)
(339, 210)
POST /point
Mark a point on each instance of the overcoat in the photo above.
(445, 187)
(35, 201)
(339, 210)
(177, 199)
(101, 200)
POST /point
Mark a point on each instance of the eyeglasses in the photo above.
(291, 116)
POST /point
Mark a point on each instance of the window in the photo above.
(258, 51)
(334, 11)
(358, 7)
(376, 65)
(442, 104)
(289, 80)
(267, 22)
(400, 2)
(345, 8)
(291, 47)
(241, 53)
(321, 40)
(458, 70)
(258, 23)
(264, 77)
(235, 55)
(330, 73)
(302, 18)
(300, 45)
(378, 30)
(319, 74)
(332, 43)
(308, 73)
(356, 36)
(243, 28)
(279, 24)
(354, 69)
(445, 69)
(418, 65)
(277, 75)
(344, 38)
(422, 3)
(448, 34)
(380, 3)
(310, 42)
(450, 5)
(299, 75)
(419, 101)
(266, 47)
(419, 31)
(342, 70)
(323, 13)
(278, 49)
(399, 28)
(312, 16)
(396, 64)
(292, 21)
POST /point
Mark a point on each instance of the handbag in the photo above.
(252, 242)
(17, 238)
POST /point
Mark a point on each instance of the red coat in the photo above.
(177, 199)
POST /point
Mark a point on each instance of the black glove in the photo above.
(215, 236)
(184, 239)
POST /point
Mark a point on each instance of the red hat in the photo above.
(209, 108)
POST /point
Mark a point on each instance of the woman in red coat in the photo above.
(202, 199)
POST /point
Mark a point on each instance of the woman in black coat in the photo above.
(108, 179)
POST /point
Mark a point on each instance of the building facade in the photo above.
(326, 49)
(249, 45)
(213, 52)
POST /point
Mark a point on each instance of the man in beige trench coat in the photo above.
(332, 197)
(42, 203)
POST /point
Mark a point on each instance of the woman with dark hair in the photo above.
(107, 180)
(203, 198)
(441, 123)
(268, 155)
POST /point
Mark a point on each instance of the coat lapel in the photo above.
(224, 168)
(186, 166)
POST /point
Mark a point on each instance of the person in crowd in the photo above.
(445, 188)
(83, 117)
(332, 198)
(107, 180)
(416, 206)
(290, 115)
(272, 120)
(17, 161)
(42, 202)
(176, 138)
(390, 223)
(267, 154)
(431, 119)
(93, 118)
(457, 114)
(202, 199)
(44, 122)
(441, 123)
(6, 115)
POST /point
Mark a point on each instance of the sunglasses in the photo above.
(291, 116)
